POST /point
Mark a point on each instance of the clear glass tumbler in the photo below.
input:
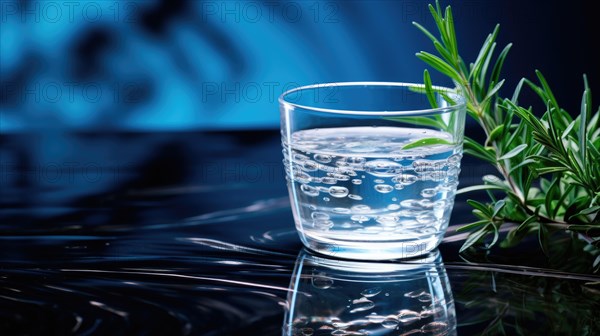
(343, 297)
(372, 168)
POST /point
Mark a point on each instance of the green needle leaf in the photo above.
(426, 32)
(474, 238)
(497, 207)
(429, 89)
(472, 225)
(590, 210)
(438, 64)
(427, 142)
(514, 152)
(499, 63)
(481, 207)
(568, 130)
(478, 187)
(495, 134)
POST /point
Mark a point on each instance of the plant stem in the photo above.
(479, 113)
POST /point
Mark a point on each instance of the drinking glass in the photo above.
(342, 297)
(371, 167)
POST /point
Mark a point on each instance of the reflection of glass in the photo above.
(341, 297)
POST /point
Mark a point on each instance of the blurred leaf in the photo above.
(474, 238)
(481, 207)
(473, 225)
(543, 239)
(427, 142)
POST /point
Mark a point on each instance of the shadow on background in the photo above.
(188, 65)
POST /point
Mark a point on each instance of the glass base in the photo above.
(371, 250)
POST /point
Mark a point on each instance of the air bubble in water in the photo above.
(359, 218)
(410, 204)
(361, 304)
(319, 215)
(374, 318)
(415, 293)
(337, 323)
(422, 166)
(301, 177)
(329, 180)
(321, 281)
(341, 210)
(388, 220)
(327, 168)
(308, 190)
(338, 192)
(326, 199)
(309, 165)
(390, 322)
(299, 157)
(406, 179)
(393, 207)
(384, 188)
(383, 168)
(323, 224)
(361, 208)
(424, 298)
(434, 327)
(426, 218)
(431, 310)
(356, 160)
(323, 158)
(407, 316)
(379, 181)
(355, 197)
(346, 171)
(340, 177)
(429, 192)
(357, 181)
(370, 292)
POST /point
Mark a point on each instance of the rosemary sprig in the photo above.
(549, 166)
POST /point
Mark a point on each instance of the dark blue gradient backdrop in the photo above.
(173, 65)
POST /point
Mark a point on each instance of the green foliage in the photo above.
(549, 166)
(507, 303)
(426, 142)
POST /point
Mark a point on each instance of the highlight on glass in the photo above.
(372, 167)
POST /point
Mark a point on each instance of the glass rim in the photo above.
(461, 103)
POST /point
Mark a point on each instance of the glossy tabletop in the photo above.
(192, 234)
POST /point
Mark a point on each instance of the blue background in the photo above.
(175, 65)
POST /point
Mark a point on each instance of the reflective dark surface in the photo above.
(192, 234)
